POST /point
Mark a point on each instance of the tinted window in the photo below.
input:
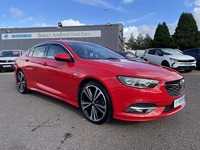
(39, 51)
(152, 52)
(198, 53)
(9, 53)
(158, 52)
(169, 51)
(191, 52)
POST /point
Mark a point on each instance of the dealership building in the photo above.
(109, 35)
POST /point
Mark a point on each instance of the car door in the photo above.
(57, 75)
(198, 58)
(195, 53)
(34, 66)
(153, 57)
(149, 55)
(159, 57)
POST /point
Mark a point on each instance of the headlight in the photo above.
(174, 60)
(138, 82)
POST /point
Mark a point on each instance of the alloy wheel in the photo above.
(95, 103)
(21, 82)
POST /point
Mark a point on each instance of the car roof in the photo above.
(61, 42)
(192, 49)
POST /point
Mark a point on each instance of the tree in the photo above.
(198, 39)
(147, 41)
(162, 36)
(186, 33)
(140, 40)
(131, 40)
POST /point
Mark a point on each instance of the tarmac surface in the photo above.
(37, 122)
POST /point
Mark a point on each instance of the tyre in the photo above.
(21, 83)
(95, 103)
(165, 63)
(146, 60)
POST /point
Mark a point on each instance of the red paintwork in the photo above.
(57, 79)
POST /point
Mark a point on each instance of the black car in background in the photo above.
(195, 52)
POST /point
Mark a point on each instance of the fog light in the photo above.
(141, 108)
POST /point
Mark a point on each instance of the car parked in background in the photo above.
(131, 56)
(195, 52)
(8, 57)
(140, 53)
(101, 82)
(169, 57)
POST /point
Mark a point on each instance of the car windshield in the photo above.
(172, 52)
(93, 51)
(9, 54)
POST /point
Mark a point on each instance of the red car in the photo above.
(99, 81)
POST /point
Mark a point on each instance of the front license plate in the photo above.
(179, 101)
(188, 64)
(6, 66)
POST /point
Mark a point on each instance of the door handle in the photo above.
(45, 64)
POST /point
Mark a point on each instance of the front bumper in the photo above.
(157, 113)
(163, 97)
(184, 65)
(5, 67)
(186, 68)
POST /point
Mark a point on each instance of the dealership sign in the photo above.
(54, 35)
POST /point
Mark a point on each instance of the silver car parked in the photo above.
(8, 57)
(173, 58)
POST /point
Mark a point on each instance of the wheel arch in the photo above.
(16, 72)
(165, 62)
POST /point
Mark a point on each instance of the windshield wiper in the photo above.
(111, 58)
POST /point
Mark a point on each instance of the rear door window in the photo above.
(39, 51)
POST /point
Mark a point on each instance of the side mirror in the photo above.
(63, 57)
(160, 54)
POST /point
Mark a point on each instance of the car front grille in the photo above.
(5, 61)
(191, 60)
(175, 88)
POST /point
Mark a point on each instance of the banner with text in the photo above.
(46, 35)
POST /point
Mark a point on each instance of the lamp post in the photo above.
(106, 10)
(60, 27)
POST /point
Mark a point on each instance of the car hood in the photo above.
(134, 68)
(180, 57)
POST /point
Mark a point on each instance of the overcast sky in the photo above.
(137, 16)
